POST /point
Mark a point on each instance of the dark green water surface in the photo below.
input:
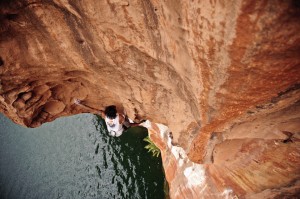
(74, 157)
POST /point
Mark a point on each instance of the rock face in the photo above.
(223, 76)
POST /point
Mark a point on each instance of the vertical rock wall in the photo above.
(222, 75)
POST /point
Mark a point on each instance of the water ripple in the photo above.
(75, 158)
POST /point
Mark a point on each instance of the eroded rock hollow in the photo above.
(223, 76)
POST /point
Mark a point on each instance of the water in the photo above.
(74, 157)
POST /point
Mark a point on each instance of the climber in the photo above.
(116, 122)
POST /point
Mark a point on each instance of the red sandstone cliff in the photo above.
(222, 75)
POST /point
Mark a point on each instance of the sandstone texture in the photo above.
(222, 76)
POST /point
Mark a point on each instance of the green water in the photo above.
(74, 157)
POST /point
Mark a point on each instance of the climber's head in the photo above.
(111, 112)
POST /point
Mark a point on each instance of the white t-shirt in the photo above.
(113, 126)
